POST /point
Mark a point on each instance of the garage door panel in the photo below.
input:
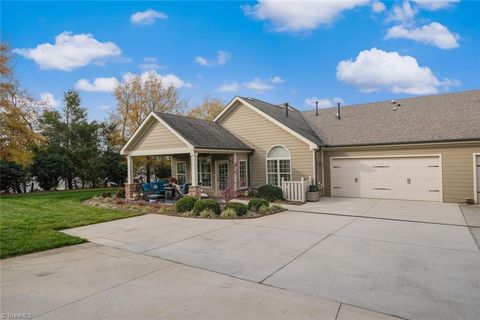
(410, 178)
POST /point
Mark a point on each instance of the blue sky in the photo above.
(351, 51)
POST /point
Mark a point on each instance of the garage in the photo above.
(401, 177)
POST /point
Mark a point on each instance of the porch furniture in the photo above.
(169, 191)
(155, 197)
(154, 188)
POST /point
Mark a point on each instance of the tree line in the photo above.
(43, 148)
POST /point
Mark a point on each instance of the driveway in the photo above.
(302, 264)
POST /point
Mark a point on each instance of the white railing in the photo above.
(296, 190)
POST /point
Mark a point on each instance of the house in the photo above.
(423, 148)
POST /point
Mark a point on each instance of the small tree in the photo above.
(229, 192)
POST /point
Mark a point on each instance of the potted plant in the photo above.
(313, 193)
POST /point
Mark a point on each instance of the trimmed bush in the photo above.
(208, 213)
(256, 203)
(120, 194)
(239, 208)
(229, 213)
(271, 193)
(106, 194)
(185, 204)
(204, 204)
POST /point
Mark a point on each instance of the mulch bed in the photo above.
(145, 207)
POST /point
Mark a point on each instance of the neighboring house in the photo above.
(425, 148)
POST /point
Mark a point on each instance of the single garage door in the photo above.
(409, 178)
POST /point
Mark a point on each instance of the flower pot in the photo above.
(313, 196)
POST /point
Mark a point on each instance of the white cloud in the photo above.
(98, 85)
(404, 13)
(105, 108)
(277, 80)
(167, 79)
(70, 51)
(229, 87)
(150, 63)
(378, 6)
(222, 58)
(433, 5)
(288, 15)
(434, 33)
(147, 17)
(375, 70)
(49, 100)
(322, 102)
(258, 85)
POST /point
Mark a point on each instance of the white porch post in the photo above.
(235, 173)
(130, 169)
(194, 167)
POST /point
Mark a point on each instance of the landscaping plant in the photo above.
(208, 213)
(204, 204)
(229, 213)
(256, 203)
(239, 208)
(185, 204)
(269, 192)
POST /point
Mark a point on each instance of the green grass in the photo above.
(30, 222)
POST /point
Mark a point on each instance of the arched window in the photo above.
(278, 165)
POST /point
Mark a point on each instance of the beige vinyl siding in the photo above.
(261, 134)
(157, 136)
(457, 165)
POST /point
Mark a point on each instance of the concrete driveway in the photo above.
(296, 264)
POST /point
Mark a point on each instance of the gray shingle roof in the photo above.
(203, 133)
(443, 117)
(295, 120)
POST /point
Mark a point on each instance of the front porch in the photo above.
(205, 171)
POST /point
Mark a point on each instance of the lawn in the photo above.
(30, 222)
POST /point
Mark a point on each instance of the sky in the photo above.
(349, 51)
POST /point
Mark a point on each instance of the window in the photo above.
(278, 165)
(242, 174)
(205, 171)
(181, 172)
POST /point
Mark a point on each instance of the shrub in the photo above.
(271, 193)
(256, 203)
(189, 214)
(120, 194)
(274, 208)
(264, 210)
(185, 204)
(106, 194)
(239, 208)
(207, 213)
(204, 204)
(229, 213)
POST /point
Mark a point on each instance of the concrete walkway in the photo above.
(292, 265)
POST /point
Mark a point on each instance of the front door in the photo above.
(222, 176)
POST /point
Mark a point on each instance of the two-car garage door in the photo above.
(409, 178)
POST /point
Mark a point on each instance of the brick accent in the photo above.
(132, 191)
(195, 191)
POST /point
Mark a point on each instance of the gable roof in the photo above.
(443, 117)
(203, 134)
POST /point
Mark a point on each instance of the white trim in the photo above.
(235, 173)
(398, 145)
(217, 174)
(246, 174)
(130, 171)
(212, 173)
(278, 163)
(222, 151)
(440, 165)
(155, 152)
(144, 122)
(176, 170)
(194, 168)
(311, 144)
(314, 167)
(476, 184)
(323, 170)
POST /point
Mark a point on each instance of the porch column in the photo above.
(235, 173)
(194, 168)
(130, 169)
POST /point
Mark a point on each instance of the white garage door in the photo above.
(409, 178)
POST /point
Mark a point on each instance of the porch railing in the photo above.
(296, 190)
